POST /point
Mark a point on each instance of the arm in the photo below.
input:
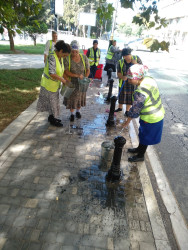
(120, 76)
(88, 52)
(87, 67)
(46, 51)
(136, 108)
(52, 70)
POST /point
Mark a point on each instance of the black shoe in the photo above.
(126, 113)
(51, 117)
(78, 115)
(71, 118)
(136, 158)
(117, 110)
(56, 122)
(132, 150)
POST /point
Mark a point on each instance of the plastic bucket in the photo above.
(67, 91)
(83, 84)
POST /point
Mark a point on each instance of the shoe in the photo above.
(117, 110)
(56, 122)
(126, 113)
(71, 118)
(51, 117)
(132, 150)
(78, 115)
(136, 158)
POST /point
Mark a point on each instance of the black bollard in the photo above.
(109, 73)
(110, 90)
(114, 174)
(110, 121)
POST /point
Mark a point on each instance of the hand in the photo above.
(63, 81)
(124, 78)
(81, 77)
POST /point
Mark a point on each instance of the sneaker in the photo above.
(51, 117)
(71, 118)
(132, 150)
(117, 110)
(136, 158)
(78, 115)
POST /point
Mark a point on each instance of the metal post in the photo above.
(114, 174)
(110, 90)
(88, 31)
(110, 122)
(109, 73)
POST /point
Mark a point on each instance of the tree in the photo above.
(149, 18)
(14, 14)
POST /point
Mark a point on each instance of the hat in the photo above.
(74, 45)
(137, 72)
(126, 51)
(95, 41)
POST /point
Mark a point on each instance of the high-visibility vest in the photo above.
(82, 61)
(47, 82)
(121, 63)
(109, 53)
(50, 49)
(153, 110)
(92, 58)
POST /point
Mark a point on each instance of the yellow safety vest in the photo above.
(121, 63)
(91, 57)
(153, 110)
(109, 53)
(47, 82)
(82, 61)
(50, 49)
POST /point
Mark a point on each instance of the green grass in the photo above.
(18, 89)
(28, 49)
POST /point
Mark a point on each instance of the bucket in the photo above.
(83, 84)
(67, 91)
(107, 152)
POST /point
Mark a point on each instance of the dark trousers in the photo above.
(141, 149)
(93, 70)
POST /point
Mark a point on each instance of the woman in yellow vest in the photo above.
(125, 90)
(76, 67)
(49, 47)
(148, 105)
(50, 83)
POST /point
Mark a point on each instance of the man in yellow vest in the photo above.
(148, 105)
(93, 55)
(111, 58)
(49, 47)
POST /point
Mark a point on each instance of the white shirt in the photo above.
(47, 47)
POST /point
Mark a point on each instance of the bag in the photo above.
(67, 91)
(84, 84)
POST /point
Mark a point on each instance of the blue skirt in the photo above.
(150, 133)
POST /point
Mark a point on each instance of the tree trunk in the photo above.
(10, 34)
(35, 41)
(84, 32)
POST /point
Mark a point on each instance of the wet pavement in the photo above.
(53, 191)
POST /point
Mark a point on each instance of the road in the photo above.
(170, 71)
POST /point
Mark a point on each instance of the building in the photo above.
(176, 13)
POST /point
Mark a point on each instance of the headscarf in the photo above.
(137, 72)
(74, 45)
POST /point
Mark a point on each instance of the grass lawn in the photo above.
(28, 49)
(18, 89)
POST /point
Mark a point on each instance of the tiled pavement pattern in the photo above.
(53, 193)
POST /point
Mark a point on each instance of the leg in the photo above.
(72, 115)
(78, 115)
(140, 150)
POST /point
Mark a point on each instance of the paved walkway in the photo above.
(53, 193)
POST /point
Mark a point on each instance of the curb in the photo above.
(176, 217)
(158, 229)
(8, 135)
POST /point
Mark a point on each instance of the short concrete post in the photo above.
(114, 174)
(110, 121)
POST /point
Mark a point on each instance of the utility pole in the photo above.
(114, 21)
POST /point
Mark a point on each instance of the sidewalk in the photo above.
(53, 193)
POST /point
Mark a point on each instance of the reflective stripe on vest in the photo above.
(109, 53)
(92, 58)
(153, 110)
(82, 62)
(121, 63)
(47, 82)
